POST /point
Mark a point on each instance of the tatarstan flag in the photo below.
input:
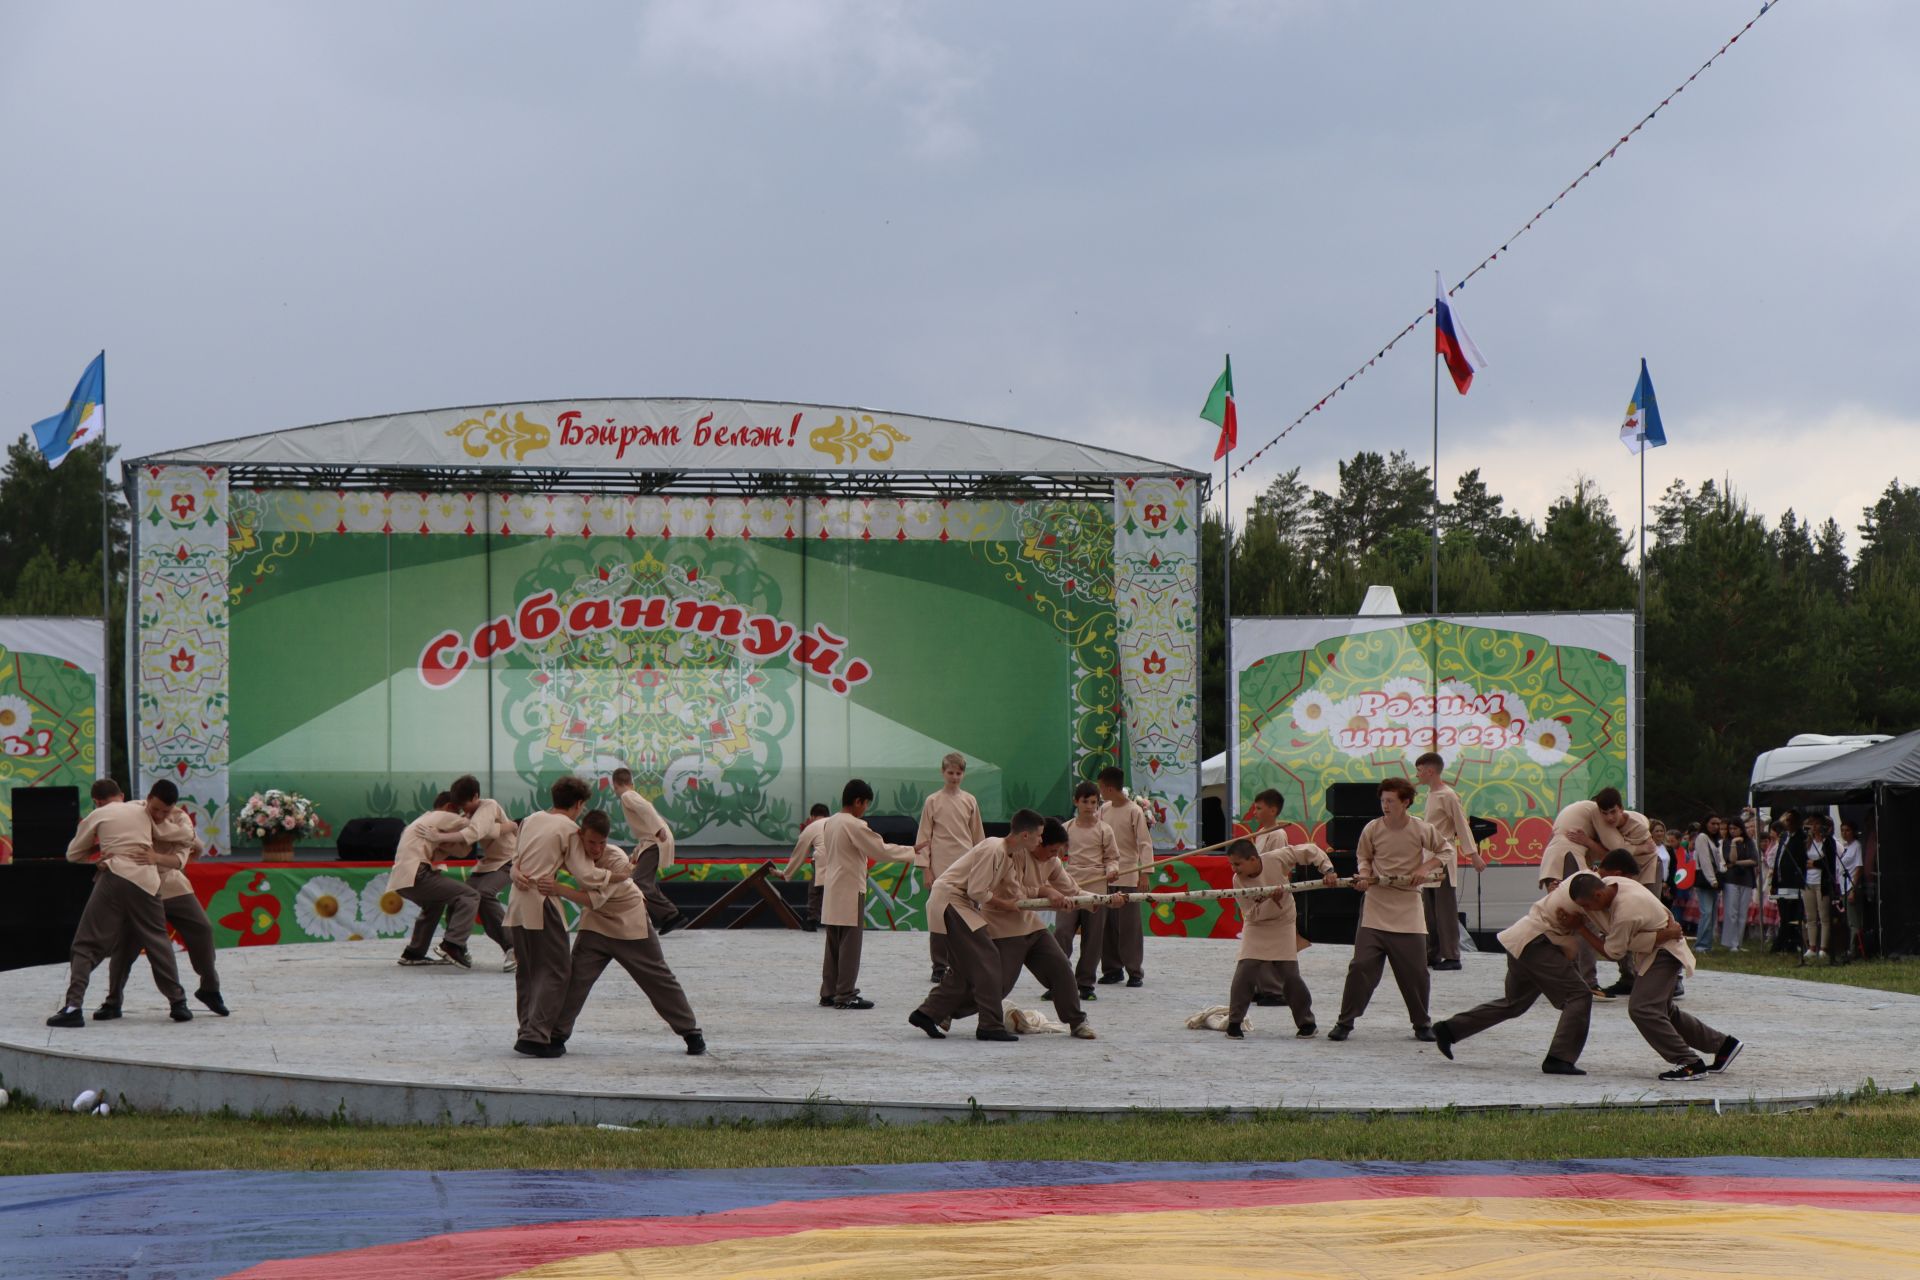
(1219, 411)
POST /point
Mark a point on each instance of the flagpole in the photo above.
(1434, 539)
(103, 733)
(1640, 646)
(1233, 711)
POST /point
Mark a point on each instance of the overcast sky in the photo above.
(1048, 216)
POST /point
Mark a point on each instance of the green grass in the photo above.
(1869, 1125)
(1883, 975)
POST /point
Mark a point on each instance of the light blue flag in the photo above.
(85, 418)
(1642, 429)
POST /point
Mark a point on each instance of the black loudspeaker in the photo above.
(893, 828)
(1343, 831)
(44, 820)
(369, 839)
(1354, 800)
(1000, 829)
(1484, 829)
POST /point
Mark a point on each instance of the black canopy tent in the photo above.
(1885, 777)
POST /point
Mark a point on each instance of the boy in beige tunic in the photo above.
(549, 844)
(841, 847)
(1123, 952)
(613, 927)
(1583, 833)
(1269, 954)
(425, 846)
(174, 845)
(949, 826)
(653, 851)
(125, 901)
(1393, 927)
(498, 837)
(1639, 924)
(1441, 900)
(1539, 949)
(1093, 859)
(991, 939)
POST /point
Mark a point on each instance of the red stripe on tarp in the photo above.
(488, 1254)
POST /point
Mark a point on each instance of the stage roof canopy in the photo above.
(672, 445)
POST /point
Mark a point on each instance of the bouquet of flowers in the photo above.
(275, 815)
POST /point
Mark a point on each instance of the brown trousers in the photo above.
(1091, 924)
(434, 894)
(840, 966)
(541, 975)
(1442, 904)
(1373, 951)
(492, 913)
(1251, 976)
(117, 910)
(1675, 1034)
(189, 920)
(644, 963)
(939, 953)
(1541, 969)
(973, 982)
(816, 898)
(1122, 946)
(1041, 956)
(646, 876)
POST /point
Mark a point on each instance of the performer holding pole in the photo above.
(1268, 938)
(1392, 925)
(1441, 901)
(1093, 857)
(653, 850)
(842, 846)
(949, 826)
(1123, 951)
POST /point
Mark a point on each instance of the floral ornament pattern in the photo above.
(384, 912)
(256, 917)
(1156, 552)
(329, 907)
(182, 609)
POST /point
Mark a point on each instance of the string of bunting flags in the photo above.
(1488, 261)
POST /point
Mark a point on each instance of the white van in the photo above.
(1803, 750)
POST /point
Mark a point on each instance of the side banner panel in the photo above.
(50, 690)
(181, 664)
(1156, 596)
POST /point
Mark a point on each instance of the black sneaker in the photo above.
(826, 1002)
(1691, 1070)
(1443, 1039)
(1600, 994)
(71, 1016)
(1087, 993)
(856, 1002)
(1306, 1032)
(457, 955)
(179, 1012)
(999, 1033)
(1269, 1001)
(1624, 987)
(212, 1000)
(1234, 1032)
(531, 1048)
(926, 1024)
(105, 1013)
(1424, 1035)
(413, 959)
(1108, 979)
(1729, 1050)
(677, 920)
(1448, 966)
(1559, 1067)
(1341, 1030)
(1136, 981)
(696, 1044)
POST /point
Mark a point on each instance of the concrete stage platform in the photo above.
(339, 1030)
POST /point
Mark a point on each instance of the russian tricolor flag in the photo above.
(1451, 341)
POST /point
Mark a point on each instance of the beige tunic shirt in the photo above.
(1267, 927)
(119, 829)
(1386, 852)
(1448, 816)
(177, 837)
(648, 827)
(1581, 815)
(952, 823)
(1543, 921)
(1133, 834)
(433, 835)
(1092, 853)
(549, 844)
(1634, 918)
(842, 846)
(1636, 836)
(617, 909)
(497, 837)
(990, 870)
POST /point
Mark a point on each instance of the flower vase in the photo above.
(277, 849)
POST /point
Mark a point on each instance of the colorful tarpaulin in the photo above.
(1604, 1218)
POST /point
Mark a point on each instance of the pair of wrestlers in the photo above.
(141, 848)
(551, 982)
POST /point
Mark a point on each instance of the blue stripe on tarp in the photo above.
(202, 1225)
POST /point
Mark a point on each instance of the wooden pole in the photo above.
(1211, 895)
(1184, 853)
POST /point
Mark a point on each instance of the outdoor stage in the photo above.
(342, 1031)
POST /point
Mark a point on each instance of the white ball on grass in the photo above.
(86, 1100)
(5, 1097)
(103, 1110)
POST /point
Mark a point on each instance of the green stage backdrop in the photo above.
(50, 691)
(1529, 711)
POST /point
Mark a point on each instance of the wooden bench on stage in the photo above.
(759, 882)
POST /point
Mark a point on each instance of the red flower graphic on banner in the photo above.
(183, 505)
(1153, 664)
(1154, 513)
(258, 919)
(181, 661)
